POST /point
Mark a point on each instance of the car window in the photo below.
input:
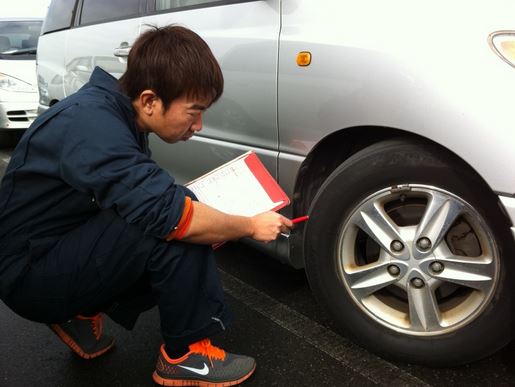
(59, 15)
(97, 11)
(162, 5)
(170, 4)
(19, 37)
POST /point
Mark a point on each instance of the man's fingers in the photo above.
(284, 229)
(286, 222)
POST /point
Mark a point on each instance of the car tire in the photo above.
(440, 301)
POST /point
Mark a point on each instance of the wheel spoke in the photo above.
(368, 279)
(379, 226)
(472, 272)
(424, 313)
(440, 214)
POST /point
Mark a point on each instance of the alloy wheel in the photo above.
(418, 259)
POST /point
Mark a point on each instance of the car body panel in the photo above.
(20, 69)
(51, 69)
(443, 83)
(97, 45)
(509, 205)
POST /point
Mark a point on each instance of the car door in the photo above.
(243, 36)
(103, 33)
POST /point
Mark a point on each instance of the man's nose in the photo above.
(197, 124)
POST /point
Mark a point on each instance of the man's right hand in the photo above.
(268, 225)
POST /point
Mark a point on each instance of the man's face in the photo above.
(182, 119)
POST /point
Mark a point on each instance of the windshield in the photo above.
(19, 37)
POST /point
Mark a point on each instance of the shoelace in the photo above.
(205, 348)
(96, 324)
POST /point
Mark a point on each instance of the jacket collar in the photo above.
(102, 79)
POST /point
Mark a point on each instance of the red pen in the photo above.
(295, 221)
(300, 219)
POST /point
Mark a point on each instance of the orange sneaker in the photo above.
(204, 365)
(84, 336)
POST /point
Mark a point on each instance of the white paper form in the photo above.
(233, 189)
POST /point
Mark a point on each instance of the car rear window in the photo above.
(59, 16)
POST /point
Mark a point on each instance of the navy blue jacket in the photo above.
(81, 156)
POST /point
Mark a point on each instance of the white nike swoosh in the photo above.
(200, 371)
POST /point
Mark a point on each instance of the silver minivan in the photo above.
(389, 122)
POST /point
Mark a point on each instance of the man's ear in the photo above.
(147, 101)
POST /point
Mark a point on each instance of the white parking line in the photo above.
(373, 368)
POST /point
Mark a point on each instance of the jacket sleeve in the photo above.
(101, 157)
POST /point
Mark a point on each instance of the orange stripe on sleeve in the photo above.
(182, 227)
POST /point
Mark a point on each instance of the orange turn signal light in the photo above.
(304, 58)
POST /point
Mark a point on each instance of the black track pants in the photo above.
(108, 265)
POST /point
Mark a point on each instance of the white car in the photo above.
(18, 82)
(389, 122)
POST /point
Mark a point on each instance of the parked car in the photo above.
(18, 83)
(389, 123)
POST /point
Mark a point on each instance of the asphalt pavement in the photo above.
(276, 320)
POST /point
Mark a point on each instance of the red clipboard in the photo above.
(242, 186)
(270, 185)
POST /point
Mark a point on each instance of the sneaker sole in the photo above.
(74, 346)
(201, 383)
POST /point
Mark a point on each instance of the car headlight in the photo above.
(503, 44)
(14, 84)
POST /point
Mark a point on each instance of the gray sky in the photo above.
(31, 8)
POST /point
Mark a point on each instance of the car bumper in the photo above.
(509, 204)
(17, 115)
